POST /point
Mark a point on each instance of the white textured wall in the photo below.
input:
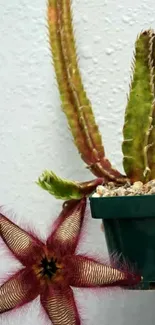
(34, 134)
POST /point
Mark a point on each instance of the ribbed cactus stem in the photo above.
(151, 136)
(81, 102)
(75, 103)
(139, 112)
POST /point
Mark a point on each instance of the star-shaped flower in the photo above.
(51, 269)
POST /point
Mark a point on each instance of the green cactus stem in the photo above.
(138, 137)
(75, 103)
(64, 189)
(151, 138)
(151, 149)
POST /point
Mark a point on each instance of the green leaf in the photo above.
(139, 111)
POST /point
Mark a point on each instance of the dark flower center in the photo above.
(49, 268)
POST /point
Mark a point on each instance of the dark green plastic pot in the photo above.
(129, 224)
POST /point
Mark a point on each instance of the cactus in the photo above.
(139, 127)
(138, 145)
(75, 103)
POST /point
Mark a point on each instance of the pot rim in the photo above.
(123, 207)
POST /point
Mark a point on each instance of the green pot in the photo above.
(129, 224)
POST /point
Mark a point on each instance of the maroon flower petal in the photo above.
(67, 232)
(18, 290)
(22, 244)
(86, 272)
(60, 306)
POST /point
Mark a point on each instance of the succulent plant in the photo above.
(51, 268)
(139, 133)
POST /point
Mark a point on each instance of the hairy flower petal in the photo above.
(22, 244)
(18, 291)
(67, 231)
(86, 272)
(60, 306)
